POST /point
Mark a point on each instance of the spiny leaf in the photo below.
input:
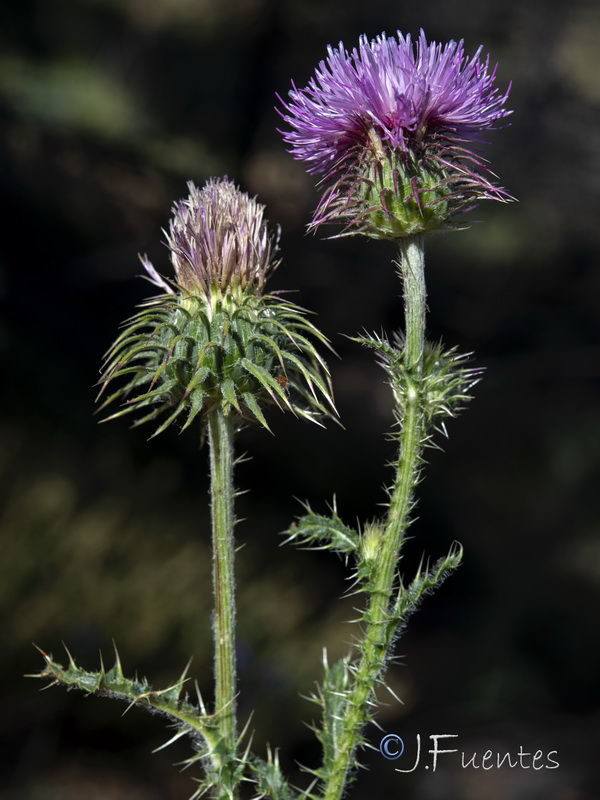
(335, 695)
(269, 779)
(135, 692)
(319, 532)
(425, 582)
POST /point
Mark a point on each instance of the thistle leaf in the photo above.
(318, 532)
(115, 685)
(424, 583)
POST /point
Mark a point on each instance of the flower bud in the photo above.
(213, 339)
(219, 241)
(371, 540)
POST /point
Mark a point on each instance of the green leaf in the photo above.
(318, 532)
(424, 583)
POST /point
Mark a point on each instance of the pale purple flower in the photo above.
(218, 240)
(422, 101)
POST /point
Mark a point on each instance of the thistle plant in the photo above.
(211, 348)
(393, 129)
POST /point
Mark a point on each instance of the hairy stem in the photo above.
(220, 432)
(380, 627)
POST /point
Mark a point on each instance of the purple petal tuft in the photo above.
(404, 92)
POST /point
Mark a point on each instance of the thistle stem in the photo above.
(221, 432)
(380, 627)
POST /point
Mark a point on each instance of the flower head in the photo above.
(219, 240)
(388, 124)
(212, 339)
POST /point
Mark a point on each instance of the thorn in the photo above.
(117, 668)
(72, 663)
(44, 674)
(47, 658)
(394, 695)
(177, 736)
(133, 702)
(54, 683)
(183, 677)
(201, 705)
(245, 728)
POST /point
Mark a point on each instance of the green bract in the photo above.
(402, 195)
(182, 355)
(397, 193)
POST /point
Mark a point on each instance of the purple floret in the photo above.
(218, 239)
(404, 92)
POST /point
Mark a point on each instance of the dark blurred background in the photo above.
(108, 107)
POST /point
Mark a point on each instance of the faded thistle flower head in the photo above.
(219, 242)
(390, 127)
(213, 339)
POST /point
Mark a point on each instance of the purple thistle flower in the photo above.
(388, 124)
(219, 241)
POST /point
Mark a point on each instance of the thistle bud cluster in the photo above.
(213, 339)
(441, 388)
